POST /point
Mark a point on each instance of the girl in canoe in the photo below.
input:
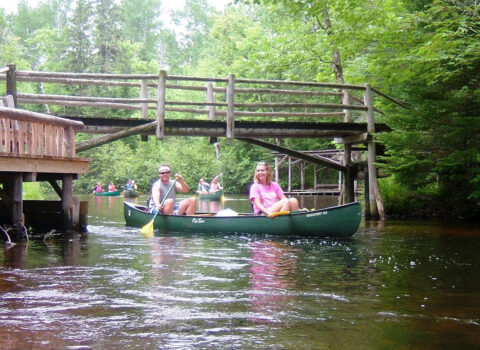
(214, 186)
(266, 195)
(98, 188)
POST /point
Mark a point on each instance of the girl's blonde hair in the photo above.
(269, 171)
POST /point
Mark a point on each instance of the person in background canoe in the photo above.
(134, 185)
(266, 195)
(129, 186)
(111, 187)
(203, 187)
(214, 185)
(98, 187)
(160, 189)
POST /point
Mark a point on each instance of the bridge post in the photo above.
(12, 82)
(162, 86)
(144, 106)
(347, 196)
(375, 199)
(230, 108)
(211, 109)
(290, 165)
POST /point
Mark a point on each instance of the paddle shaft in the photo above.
(168, 192)
(217, 153)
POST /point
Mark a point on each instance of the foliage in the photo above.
(436, 143)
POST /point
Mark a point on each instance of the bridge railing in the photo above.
(24, 133)
(181, 95)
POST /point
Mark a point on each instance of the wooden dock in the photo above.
(39, 147)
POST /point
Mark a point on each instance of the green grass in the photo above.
(32, 191)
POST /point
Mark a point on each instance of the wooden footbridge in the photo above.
(167, 105)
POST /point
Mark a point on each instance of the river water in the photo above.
(393, 285)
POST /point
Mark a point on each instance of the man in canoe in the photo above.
(162, 187)
(266, 195)
(203, 187)
(129, 186)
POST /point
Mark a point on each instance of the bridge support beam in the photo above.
(375, 204)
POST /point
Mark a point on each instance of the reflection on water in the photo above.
(272, 274)
(393, 285)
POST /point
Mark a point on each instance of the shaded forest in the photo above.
(425, 53)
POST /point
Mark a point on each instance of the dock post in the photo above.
(67, 201)
(17, 207)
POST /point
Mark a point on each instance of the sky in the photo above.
(11, 5)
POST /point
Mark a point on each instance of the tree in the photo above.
(435, 148)
(106, 36)
(79, 51)
(141, 24)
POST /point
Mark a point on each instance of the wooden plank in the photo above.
(2, 134)
(315, 160)
(29, 138)
(22, 136)
(15, 137)
(83, 146)
(360, 138)
(44, 165)
(21, 114)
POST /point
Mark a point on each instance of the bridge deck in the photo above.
(215, 128)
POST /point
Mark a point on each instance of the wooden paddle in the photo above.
(147, 230)
(278, 213)
(217, 153)
(285, 212)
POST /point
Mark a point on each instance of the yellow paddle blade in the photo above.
(222, 199)
(147, 230)
(278, 213)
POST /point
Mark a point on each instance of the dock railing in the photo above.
(30, 134)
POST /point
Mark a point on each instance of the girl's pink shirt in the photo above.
(214, 187)
(268, 194)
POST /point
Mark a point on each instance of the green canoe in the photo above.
(214, 196)
(340, 221)
(130, 194)
(108, 194)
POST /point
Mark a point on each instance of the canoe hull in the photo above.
(107, 194)
(130, 194)
(340, 221)
(215, 196)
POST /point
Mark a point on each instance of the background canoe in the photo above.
(215, 196)
(130, 194)
(108, 194)
(339, 221)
